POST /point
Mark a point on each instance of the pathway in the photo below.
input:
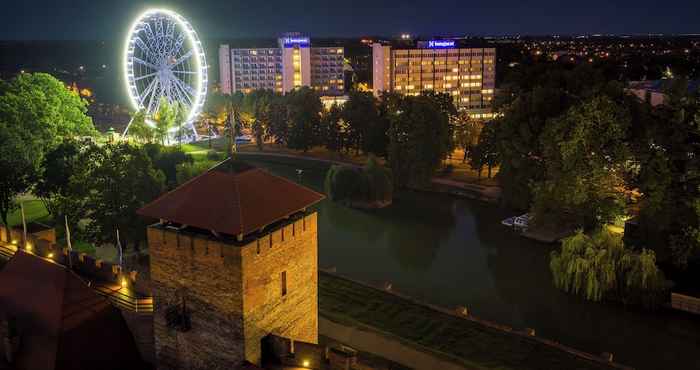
(384, 346)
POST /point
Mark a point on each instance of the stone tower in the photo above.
(233, 258)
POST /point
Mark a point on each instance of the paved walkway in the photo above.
(383, 346)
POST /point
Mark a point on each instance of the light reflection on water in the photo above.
(454, 252)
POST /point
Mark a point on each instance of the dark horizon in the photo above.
(44, 20)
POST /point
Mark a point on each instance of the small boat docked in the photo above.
(517, 222)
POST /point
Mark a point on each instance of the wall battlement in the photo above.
(85, 265)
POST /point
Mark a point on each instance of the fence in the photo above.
(685, 303)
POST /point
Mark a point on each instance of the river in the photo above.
(454, 252)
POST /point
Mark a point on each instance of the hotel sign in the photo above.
(290, 42)
(441, 44)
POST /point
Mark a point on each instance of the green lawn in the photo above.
(480, 347)
(34, 210)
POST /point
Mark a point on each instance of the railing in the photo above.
(122, 297)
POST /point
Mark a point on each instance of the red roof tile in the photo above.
(62, 323)
(232, 198)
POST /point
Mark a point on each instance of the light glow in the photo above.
(170, 77)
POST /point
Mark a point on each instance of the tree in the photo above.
(331, 129)
(485, 152)
(257, 105)
(181, 113)
(122, 180)
(467, 133)
(62, 184)
(362, 115)
(139, 129)
(165, 119)
(528, 99)
(304, 107)
(665, 143)
(36, 113)
(585, 155)
(166, 160)
(599, 267)
(279, 120)
(419, 139)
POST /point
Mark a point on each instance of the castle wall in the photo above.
(206, 275)
(292, 249)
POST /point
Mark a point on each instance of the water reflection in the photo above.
(454, 252)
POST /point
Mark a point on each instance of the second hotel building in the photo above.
(292, 64)
(468, 74)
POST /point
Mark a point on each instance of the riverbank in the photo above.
(474, 343)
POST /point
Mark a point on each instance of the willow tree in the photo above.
(599, 266)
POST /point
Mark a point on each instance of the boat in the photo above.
(520, 223)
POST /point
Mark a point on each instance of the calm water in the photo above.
(454, 252)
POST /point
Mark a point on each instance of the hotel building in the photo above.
(468, 74)
(292, 64)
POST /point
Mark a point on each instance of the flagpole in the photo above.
(70, 248)
(24, 226)
(119, 246)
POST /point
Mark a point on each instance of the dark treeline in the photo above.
(574, 148)
(413, 133)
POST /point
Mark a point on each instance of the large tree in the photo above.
(419, 139)
(585, 158)
(599, 266)
(304, 108)
(122, 180)
(62, 183)
(666, 144)
(164, 119)
(529, 98)
(36, 113)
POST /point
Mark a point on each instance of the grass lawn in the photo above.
(480, 347)
(34, 210)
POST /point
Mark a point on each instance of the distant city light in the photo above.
(405, 36)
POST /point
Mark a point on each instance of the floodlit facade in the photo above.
(468, 74)
(294, 63)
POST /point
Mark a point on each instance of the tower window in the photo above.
(284, 283)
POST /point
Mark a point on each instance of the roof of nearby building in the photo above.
(61, 322)
(661, 85)
(232, 198)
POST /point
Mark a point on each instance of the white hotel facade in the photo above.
(292, 64)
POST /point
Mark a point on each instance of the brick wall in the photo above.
(292, 249)
(233, 293)
(206, 275)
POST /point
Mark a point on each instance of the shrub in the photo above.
(599, 267)
(215, 156)
(369, 184)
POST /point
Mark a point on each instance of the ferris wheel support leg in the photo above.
(127, 128)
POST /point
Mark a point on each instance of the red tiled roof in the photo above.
(62, 323)
(232, 198)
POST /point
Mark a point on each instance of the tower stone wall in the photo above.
(291, 250)
(232, 293)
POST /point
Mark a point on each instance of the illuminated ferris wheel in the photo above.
(164, 58)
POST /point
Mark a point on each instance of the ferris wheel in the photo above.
(164, 59)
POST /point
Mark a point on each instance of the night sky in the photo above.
(108, 19)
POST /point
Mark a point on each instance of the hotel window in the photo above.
(284, 283)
